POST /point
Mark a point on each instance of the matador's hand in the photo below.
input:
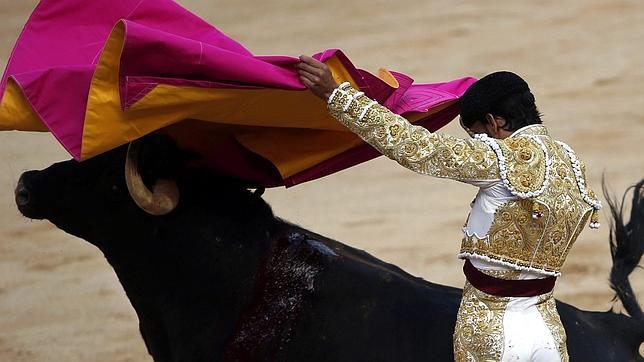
(316, 76)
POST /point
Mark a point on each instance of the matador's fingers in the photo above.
(311, 69)
(312, 62)
(306, 82)
(310, 76)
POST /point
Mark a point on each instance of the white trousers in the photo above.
(491, 328)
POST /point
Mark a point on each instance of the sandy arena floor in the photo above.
(59, 299)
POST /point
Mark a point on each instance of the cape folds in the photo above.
(98, 74)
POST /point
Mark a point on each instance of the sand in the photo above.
(59, 299)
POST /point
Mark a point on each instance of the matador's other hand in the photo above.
(316, 76)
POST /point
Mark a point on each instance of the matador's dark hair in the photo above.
(503, 94)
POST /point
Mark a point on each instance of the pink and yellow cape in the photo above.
(98, 74)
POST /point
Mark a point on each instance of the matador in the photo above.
(532, 203)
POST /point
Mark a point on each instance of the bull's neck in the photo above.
(189, 287)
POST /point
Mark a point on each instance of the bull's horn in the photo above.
(164, 196)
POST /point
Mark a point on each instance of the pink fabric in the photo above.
(56, 54)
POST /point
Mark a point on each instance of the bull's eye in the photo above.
(116, 190)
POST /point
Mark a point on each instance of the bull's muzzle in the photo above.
(22, 195)
(24, 199)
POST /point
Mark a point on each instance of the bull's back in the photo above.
(351, 306)
(601, 336)
(359, 308)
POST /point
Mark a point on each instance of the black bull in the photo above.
(221, 278)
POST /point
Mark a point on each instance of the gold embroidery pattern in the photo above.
(526, 164)
(505, 274)
(414, 147)
(517, 238)
(548, 310)
(478, 335)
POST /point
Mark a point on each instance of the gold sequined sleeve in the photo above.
(412, 146)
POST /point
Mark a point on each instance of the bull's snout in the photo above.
(24, 199)
(22, 194)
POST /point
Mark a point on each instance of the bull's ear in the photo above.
(161, 158)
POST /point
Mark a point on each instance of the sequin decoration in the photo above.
(524, 163)
(412, 146)
(536, 230)
(516, 238)
(478, 335)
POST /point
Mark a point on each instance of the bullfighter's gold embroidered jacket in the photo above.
(533, 200)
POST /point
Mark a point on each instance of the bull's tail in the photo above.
(626, 246)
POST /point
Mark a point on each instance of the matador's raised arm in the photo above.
(412, 146)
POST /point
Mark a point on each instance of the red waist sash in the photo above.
(506, 288)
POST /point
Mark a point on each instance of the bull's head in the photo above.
(195, 260)
(81, 195)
